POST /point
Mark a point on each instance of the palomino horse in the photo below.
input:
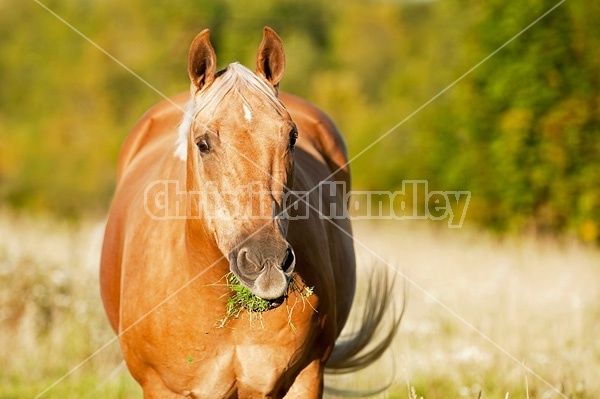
(174, 231)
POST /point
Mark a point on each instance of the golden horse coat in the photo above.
(162, 254)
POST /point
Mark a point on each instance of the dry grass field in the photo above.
(486, 317)
(508, 318)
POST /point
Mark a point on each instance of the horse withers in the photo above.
(203, 190)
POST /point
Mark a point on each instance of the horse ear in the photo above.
(202, 61)
(270, 60)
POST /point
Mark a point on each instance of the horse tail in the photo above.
(350, 353)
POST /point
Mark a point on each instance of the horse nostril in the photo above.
(289, 261)
(247, 262)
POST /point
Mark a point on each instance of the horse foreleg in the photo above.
(308, 384)
(154, 388)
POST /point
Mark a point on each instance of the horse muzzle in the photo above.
(264, 268)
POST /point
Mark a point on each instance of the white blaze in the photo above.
(247, 113)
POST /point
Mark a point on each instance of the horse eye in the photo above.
(203, 146)
(293, 138)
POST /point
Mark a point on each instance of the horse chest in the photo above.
(194, 359)
(230, 372)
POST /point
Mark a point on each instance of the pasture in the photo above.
(479, 308)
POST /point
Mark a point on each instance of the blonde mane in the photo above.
(235, 79)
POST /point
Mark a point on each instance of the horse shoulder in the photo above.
(140, 151)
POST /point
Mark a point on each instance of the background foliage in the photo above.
(519, 132)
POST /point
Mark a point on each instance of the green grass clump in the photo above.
(243, 299)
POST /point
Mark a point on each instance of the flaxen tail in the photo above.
(378, 320)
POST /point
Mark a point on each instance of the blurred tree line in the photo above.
(519, 132)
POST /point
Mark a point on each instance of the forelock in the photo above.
(236, 79)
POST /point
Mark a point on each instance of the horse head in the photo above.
(237, 140)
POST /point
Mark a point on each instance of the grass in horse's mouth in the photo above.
(242, 298)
